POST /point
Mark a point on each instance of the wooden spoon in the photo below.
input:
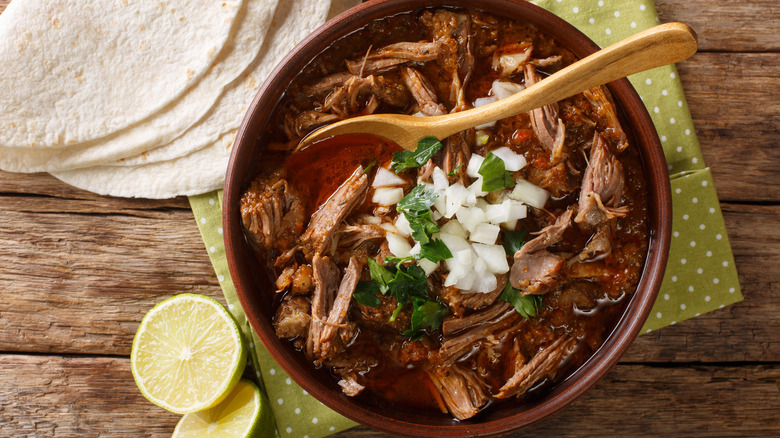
(655, 47)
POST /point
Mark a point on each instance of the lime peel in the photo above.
(188, 354)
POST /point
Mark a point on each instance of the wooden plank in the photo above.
(85, 396)
(734, 100)
(80, 283)
(734, 26)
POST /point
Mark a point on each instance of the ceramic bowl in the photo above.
(255, 292)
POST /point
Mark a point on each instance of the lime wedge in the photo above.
(187, 354)
(241, 414)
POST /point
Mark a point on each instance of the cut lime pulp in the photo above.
(188, 354)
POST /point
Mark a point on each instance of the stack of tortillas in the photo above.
(138, 99)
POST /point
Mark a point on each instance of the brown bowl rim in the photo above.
(565, 392)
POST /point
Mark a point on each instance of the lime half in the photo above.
(187, 354)
(241, 414)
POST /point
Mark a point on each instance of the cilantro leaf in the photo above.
(435, 251)
(513, 241)
(366, 294)
(494, 174)
(398, 260)
(418, 199)
(409, 281)
(381, 275)
(454, 171)
(426, 313)
(426, 148)
(422, 226)
(526, 305)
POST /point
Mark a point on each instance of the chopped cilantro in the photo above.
(422, 226)
(526, 305)
(494, 174)
(426, 148)
(454, 171)
(366, 294)
(418, 199)
(426, 313)
(416, 206)
(435, 251)
(381, 275)
(513, 241)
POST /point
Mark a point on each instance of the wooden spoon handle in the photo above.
(655, 47)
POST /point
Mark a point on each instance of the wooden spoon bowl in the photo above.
(254, 290)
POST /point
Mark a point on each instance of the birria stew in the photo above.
(477, 269)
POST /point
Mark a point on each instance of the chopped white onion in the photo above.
(402, 226)
(415, 249)
(440, 182)
(517, 210)
(529, 193)
(484, 283)
(454, 243)
(470, 218)
(389, 227)
(498, 213)
(493, 256)
(502, 89)
(387, 196)
(480, 267)
(372, 220)
(512, 161)
(398, 245)
(482, 137)
(456, 195)
(485, 233)
(454, 227)
(476, 187)
(482, 101)
(475, 162)
(386, 178)
(428, 266)
(466, 281)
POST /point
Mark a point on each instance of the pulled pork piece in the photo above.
(602, 186)
(457, 153)
(601, 101)
(328, 83)
(453, 325)
(271, 213)
(326, 283)
(338, 313)
(352, 236)
(535, 269)
(327, 219)
(600, 244)
(423, 93)
(510, 59)
(462, 391)
(348, 99)
(543, 365)
(453, 32)
(349, 384)
(390, 57)
(298, 126)
(549, 129)
(292, 317)
(546, 62)
(453, 348)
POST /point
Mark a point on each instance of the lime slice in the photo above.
(241, 414)
(188, 354)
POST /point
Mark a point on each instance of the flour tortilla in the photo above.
(228, 112)
(204, 169)
(236, 57)
(78, 70)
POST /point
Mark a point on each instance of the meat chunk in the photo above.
(300, 125)
(349, 385)
(535, 272)
(602, 186)
(453, 31)
(362, 94)
(543, 365)
(453, 325)
(391, 56)
(549, 129)
(271, 213)
(458, 301)
(511, 59)
(338, 313)
(422, 92)
(353, 236)
(327, 219)
(535, 269)
(601, 101)
(462, 391)
(458, 345)
(292, 317)
(457, 153)
(600, 244)
(326, 283)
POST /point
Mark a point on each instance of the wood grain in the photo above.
(91, 396)
(733, 26)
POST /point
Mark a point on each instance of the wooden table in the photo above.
(78, 271)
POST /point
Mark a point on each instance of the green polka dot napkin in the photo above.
(700, 276)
